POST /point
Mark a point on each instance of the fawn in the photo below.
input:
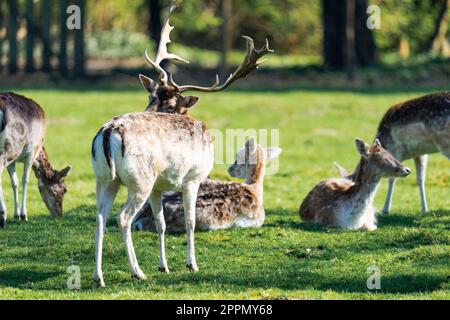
(347, 204)
(221, 204)
(22, 130)
(158, 150)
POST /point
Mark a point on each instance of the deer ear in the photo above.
(64, 172)
(251, 145)
(362, 147)
(273, 153)
(377, 143)
(189, 101)
(342, 171)
(147, 83)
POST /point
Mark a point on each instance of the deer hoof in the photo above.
(192, 268)
(23, 218)
(99, 281)
(2, 223)
(163, 269)
(139, 276)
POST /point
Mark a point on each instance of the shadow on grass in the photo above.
(290, 280)
(419, 219)
(25, 278)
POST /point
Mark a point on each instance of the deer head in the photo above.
(52, 189)
(166, 96)
(249, 158)
(380, 160)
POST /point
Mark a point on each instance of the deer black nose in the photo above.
(407, 170)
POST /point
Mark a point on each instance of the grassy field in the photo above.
(284, 258)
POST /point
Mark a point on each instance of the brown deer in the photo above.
(347, 204)
(22, 130)
(159, 150)
(221, 204)
(414, 129)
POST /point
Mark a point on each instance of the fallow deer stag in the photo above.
(347, 204)
(22, 130)
(221, 204)
(158, 150)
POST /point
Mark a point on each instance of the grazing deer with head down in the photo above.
(158, 150)
(22, 130)
(221, 204)
(347, 204)
(414, 129)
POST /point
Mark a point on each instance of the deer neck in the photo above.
(42, 167)
(255, 177)
(366, 183)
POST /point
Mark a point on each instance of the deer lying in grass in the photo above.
(414, 129)
(347, 204)
(221, 204)
(22, 129)
(159, 150)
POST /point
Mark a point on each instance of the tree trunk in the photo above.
(79, 49)
(364, 39)
(350, 52)
(46, 24)
(29, 67)
(227, 28)
(63, 37)
(439, 39)
(337, 28)
(2, 17)
(334, 33)
(12, 35)
(154, 24)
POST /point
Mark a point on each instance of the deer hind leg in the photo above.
(388, 202)
(15, 186)
(25, 178)
(105, 199)
(160, 223)
(190, 191)
(2, 202)
(421, 168)
(136, 200)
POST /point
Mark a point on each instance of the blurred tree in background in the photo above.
(121, 29)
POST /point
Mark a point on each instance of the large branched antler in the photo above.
(250, 63)
(163, 53)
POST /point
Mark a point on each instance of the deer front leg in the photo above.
(158, 214)
(25, 178)
(15, 186)
(134, 204)
(421, 169)
(190, 191)
(105, 201)
(388, 203)
(2, 203)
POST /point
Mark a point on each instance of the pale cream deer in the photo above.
(158, 150)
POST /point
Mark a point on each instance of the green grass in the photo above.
(283, 259)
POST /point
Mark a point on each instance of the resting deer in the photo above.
(414, 129)
(22, 129)
(159, 150)
(347, 204)
(221, 204)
